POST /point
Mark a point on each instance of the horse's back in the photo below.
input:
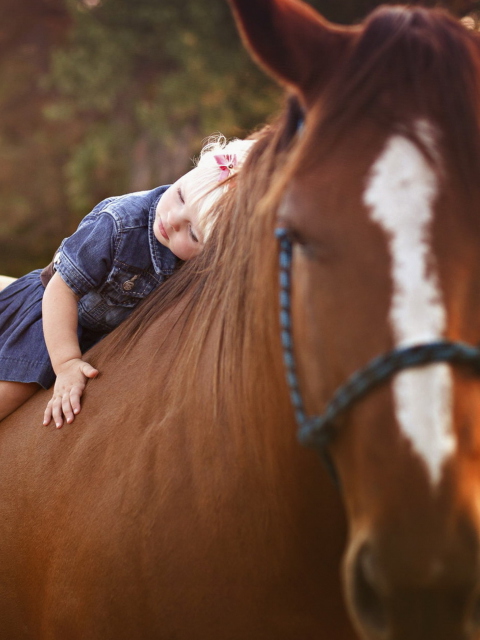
(116, 527)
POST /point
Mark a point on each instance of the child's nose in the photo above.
(176, 218)
(174, 223)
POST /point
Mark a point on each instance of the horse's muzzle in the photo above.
(431, 597)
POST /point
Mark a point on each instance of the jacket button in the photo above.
(129, 284)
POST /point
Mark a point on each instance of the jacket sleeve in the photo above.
(85, 259)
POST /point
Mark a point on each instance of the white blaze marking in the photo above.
(400, 195)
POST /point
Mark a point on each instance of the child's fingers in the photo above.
(67, 408)
(47, 416)
(75, 395)
(69, 386)
(89, 371)
(57, 411)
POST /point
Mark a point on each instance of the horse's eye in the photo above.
(296, 238)
(293, 237)
(318, 250)
(284, 233)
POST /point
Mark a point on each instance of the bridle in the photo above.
(317, 431)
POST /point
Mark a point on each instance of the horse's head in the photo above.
(381, 199)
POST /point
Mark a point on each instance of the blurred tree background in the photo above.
(103, 97)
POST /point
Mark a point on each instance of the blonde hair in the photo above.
(211, 185)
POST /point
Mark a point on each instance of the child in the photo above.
(125, 248)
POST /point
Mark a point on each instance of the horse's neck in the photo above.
(234, 436)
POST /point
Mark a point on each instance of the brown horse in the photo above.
(179, 504)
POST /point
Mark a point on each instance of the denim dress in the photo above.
(112, 262)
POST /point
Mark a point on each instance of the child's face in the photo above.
(177, 224)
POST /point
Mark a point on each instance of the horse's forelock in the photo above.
(406, 64)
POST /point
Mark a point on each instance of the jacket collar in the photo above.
(164, 261)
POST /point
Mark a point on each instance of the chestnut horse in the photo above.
(179, 504)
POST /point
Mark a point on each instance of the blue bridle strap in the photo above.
(317, 431)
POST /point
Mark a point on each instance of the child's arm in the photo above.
(60, 322)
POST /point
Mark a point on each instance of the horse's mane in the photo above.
(408, 63)
(221, 291)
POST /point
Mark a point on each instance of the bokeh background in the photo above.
(103, 97)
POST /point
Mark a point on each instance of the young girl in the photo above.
(125, 248)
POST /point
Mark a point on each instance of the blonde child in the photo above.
(122, 250)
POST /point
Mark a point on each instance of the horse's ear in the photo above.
(292, 41)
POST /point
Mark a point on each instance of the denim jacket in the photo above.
(113, 260)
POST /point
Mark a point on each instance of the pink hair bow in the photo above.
(226, 164)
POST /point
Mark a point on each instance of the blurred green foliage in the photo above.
(102, 97)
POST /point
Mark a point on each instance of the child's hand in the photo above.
(71, 380)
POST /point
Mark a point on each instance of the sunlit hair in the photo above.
(210, 186)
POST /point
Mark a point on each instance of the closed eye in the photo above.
(192, 235)
(180, 195)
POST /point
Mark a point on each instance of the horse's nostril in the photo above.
(367, 600)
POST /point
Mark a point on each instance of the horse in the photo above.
(179, 504)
